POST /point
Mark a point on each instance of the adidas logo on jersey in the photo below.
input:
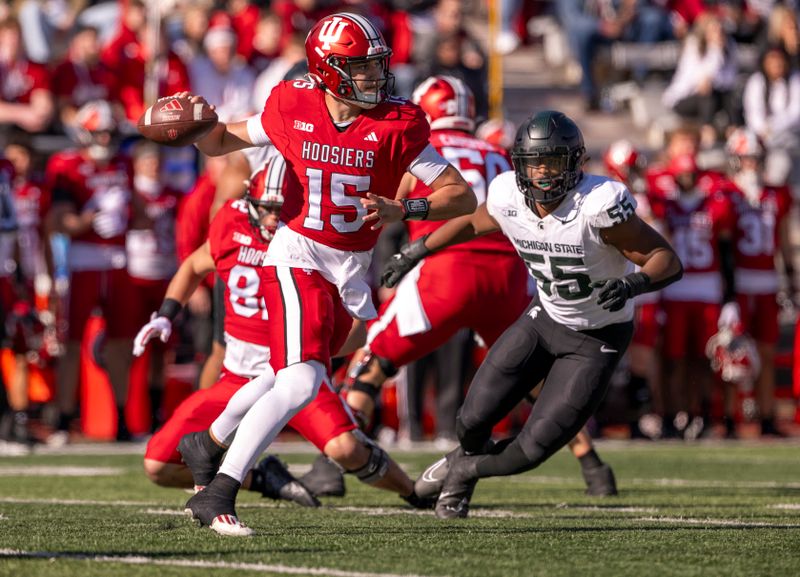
(172, 105)
(371, 137)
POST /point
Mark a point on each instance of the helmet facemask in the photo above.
(376, 90)
(259, 211)
(546, 177)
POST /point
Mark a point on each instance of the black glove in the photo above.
(400, 263)
(615, 292)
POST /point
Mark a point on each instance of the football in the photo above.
(177, 121)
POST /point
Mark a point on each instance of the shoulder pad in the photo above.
(608, 203)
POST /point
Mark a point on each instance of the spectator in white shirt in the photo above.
(772, 111)
(222, 77)
(703, 84)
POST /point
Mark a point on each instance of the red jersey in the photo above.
(19, 81)
(74, 178)
(757, 238)
(126, 56)
(77, 84)
(151, 250)
(661, 183)
(478, 162)
(694, 230)
(238, 251)
(336, 169)
(191, 225)
(32, 203)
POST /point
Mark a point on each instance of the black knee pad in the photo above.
(376, 468)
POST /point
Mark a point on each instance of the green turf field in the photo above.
(721, 509)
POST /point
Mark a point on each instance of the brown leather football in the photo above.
(176, 121)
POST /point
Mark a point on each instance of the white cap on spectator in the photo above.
(219, 36)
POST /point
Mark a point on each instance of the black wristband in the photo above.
(415, 208)
(638, 283)
(170, 309)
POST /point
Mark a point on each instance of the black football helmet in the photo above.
(548, 142)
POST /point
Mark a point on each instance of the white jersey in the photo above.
(563, 251)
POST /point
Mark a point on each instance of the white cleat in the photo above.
(230, 526)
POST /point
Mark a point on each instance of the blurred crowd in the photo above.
(94, 221)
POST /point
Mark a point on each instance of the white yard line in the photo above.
(56, 471)
(662, 482)
(733, 523)
(143, 560)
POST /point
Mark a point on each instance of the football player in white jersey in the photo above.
(580, 239)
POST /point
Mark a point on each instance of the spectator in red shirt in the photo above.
(25, 96)
(133, 62)
(81, 77)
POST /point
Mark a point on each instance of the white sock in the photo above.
(224, 427)
(295, 387)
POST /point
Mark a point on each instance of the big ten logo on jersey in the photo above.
(330, 32)
(241, 238)
(303, 126)
(243, 284)
(477, 167)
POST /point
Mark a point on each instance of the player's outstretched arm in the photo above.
(455, 231)
(644, 246)
(223, 138)
(452, 197)
(189, 276)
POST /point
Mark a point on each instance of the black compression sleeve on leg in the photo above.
(510, 461)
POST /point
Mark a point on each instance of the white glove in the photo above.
(109, 224)
(160, 327)
(729, 316)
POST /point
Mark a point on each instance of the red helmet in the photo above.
(447, 102)
(498, 132)
(339, 41)
(622, 160)
(264, 194)
(734, 356)
(743, 142)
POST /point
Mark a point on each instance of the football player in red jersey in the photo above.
(429, 307)
(236, 253)
(237, 239)
(626, 164)
(700, 222)
(151, 253)
(762, 229)
(349, 144)
(91, 189)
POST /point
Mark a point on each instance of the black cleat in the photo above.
(201, 463)
(430, 482)
(600, 481)
(324, 479)
(214, 507)
(418, 502)
(454, 499)
(276, 482)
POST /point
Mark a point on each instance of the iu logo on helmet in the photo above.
(331, 31)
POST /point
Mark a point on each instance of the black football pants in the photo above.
(576, 367)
